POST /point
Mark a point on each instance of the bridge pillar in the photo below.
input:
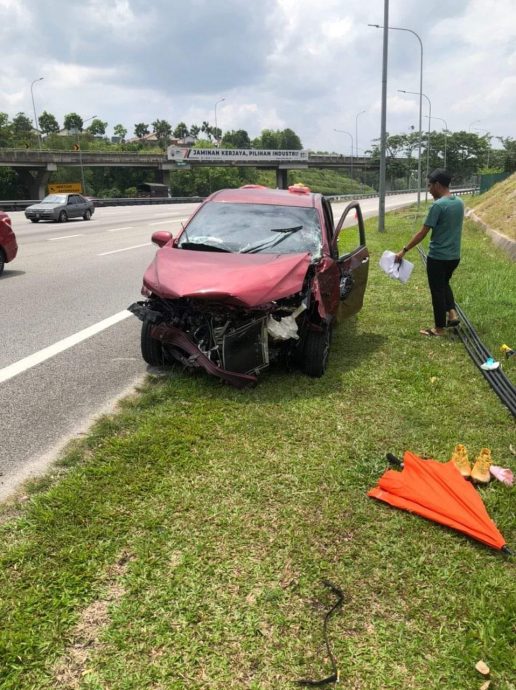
(281, 178)
(34, 181)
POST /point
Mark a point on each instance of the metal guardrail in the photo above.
(20, 205)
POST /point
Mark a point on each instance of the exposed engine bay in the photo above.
(233, 339)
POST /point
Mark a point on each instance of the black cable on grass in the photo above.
(479, 353)
(334, 678)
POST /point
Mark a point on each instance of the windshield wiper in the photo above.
(204, 246)
(293, 229)
(286, 232)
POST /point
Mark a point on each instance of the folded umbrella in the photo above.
(437, 491)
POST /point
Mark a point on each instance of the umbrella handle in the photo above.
(393, 460)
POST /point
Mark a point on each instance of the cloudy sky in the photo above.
(309, 65)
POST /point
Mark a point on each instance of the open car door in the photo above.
(349, 246)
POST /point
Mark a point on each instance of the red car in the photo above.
(255, 275)
(8, 246)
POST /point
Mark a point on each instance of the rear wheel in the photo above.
(87, 214)
(316, 351)
(63, 217)
(152, 349)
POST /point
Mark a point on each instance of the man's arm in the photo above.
(416, 239)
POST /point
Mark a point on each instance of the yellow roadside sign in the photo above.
(65, 188)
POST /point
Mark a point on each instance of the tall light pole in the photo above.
(356, 129)
(343, 131)
(488, 137)
(216, 104)
(400, 28)
(445, 133)
(34, 108)
(415, 93)
(80, 152)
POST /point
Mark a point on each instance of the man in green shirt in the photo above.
(444, 219)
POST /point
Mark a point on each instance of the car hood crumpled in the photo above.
(247, 280)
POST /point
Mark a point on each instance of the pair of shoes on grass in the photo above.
(479, 473)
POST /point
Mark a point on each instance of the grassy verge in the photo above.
(182, 544)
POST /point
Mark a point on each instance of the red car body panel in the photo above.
(7, 238)
(247, 280)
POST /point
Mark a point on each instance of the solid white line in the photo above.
(127, 227)
(38, 357)
(126, 249)
(64, 237)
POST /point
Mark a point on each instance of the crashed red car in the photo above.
(8, 245)
(255, 275)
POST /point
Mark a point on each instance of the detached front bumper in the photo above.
(170, 335)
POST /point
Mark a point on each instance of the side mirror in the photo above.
(161, 237)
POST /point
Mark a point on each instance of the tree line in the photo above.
(21, 131)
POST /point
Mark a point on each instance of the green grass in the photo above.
(182, 544)
(497, 207)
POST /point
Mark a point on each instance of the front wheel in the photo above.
(152, 349)
(63, 217)
(34, 220)
(2, 261)
(316, 351)
(87, 214)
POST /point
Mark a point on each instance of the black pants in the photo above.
(439, 273)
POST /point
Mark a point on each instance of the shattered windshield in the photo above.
(254, 228)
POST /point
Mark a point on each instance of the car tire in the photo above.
(34, 220)
(152, 349)
(2, 261)
(87, 214)
(62, 217)
(316, 351)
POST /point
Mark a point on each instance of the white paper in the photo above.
(399, 271)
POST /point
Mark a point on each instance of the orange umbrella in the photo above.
(437, 491)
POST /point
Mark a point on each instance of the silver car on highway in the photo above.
(60, 207)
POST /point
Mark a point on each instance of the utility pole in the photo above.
(383, 135)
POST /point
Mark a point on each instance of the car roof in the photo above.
(265, 195)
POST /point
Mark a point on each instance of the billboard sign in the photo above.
(65, 188)
(236, 155)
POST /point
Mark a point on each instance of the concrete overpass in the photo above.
(34, 167)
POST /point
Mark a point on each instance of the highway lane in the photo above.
(67, 278)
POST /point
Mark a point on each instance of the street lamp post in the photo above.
(415, 93)
(80, 152)
(445, 133)
(343, 131)
(356, 129)
(34, 108)
(488, 137)
(400, 28)
(215, 108)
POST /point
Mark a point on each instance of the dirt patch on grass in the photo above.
(71, 668)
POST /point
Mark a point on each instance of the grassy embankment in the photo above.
(183, 542)
(497, 207)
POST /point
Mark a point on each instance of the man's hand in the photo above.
(399, 256)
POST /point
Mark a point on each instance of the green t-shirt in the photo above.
(445, 217)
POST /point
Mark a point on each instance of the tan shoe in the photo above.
(480, 472)
(460, 460)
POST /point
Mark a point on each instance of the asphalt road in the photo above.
(69, 349)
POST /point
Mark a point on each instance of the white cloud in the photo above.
(279, 63)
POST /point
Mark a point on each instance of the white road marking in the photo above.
(38, 357)
(162, 222)
(126, 249)
(127, 227)
(64, 237)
